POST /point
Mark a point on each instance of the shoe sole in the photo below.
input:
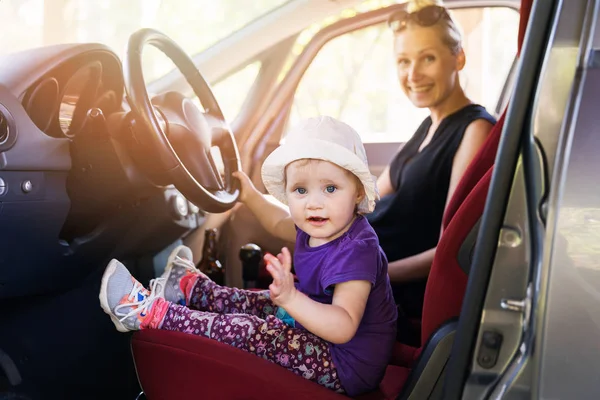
(110, 270)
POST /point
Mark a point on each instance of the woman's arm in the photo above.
(384, 183)
(273, 217)
(418, 266)
(475, 134)
(411, 268)
(336, 322)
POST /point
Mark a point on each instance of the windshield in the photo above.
(193, 24)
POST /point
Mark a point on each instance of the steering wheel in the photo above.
(177, 133)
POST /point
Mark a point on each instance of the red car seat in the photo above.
(172, 365)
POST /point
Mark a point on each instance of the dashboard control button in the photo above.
(179, 205)
(27, 186)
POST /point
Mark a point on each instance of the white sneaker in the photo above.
(179, 265)
(126, 300)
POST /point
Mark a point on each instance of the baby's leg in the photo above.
(185, 285)
(205, 295)
(294, 349)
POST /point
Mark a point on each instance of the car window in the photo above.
(233, 90)
(193, 24)
(353, 77)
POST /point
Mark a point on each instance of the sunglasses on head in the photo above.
(426, 16)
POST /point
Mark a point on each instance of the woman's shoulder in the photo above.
(472, 119)
(475, 112)
(479, 124)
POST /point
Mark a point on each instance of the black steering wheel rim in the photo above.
(148, 128)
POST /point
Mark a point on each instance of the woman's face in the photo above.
(427, 69)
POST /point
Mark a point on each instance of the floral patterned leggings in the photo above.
(246, 320)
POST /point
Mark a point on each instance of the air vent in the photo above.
(4, 128)
(8, 133)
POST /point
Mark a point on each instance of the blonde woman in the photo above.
(421, 178)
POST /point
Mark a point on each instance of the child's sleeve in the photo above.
(357, 261)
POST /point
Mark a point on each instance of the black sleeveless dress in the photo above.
(408, 221)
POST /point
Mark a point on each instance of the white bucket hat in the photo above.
(321, 138)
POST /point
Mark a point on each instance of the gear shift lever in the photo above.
(251, 256)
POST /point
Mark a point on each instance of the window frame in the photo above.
(300, 105)
(269, 128)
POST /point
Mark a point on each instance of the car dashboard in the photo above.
(72, 193)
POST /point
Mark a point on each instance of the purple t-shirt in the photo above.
(355, 255)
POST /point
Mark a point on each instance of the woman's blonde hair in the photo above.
(451, 34)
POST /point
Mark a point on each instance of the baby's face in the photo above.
(322, 198)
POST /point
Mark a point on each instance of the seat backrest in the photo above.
(447, 280)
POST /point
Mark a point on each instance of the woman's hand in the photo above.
(282, 290)
(247, 188)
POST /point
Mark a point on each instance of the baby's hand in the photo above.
(282, 289)
(246, 186)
